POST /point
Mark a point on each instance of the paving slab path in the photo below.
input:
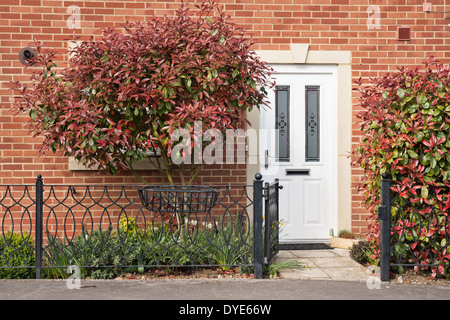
(323, 264)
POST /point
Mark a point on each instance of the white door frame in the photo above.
(300, 54)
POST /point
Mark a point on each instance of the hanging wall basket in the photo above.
(179, 199)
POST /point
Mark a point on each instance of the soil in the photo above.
(411, 277)
(199, 273)
(408, 277)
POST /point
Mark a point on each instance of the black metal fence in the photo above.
(272, 223)
(102, 228)
(414, 232)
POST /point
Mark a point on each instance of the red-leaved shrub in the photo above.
(406, 134)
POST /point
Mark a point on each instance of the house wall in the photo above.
(365, 28)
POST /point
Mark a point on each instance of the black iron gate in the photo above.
(271, 221)
(266, 224)
(100, 226)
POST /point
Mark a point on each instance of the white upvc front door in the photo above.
(298, 146)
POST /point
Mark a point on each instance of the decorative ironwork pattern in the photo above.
(17, 241)
(312, 124)
(312, 128)
(271, 221)
(99, 226)
(282, 122)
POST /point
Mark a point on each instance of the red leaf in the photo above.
(441, 269)
(428, 144)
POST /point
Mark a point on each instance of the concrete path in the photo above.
(242, 291)
(323, 264)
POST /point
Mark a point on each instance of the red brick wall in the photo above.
(324, 24)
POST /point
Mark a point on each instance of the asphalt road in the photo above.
(216, 289)
(212, 299)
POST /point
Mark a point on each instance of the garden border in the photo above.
(263, 199)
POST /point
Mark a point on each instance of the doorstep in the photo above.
(303, 246)
(342, 243)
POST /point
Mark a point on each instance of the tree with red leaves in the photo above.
(122, 97)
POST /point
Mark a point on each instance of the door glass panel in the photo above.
(282, 123)
(312, 105)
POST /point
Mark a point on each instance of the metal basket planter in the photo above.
(179, 199)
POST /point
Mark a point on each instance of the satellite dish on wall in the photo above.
(26, 55)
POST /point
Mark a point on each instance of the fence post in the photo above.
(258, 226)
(38, 231)
(277, 217)
(384, 214)
(267, 222)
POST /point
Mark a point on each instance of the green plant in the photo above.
(274, 268)
(224, 243)
(342, 232)
(108, 248)
(91, 251)
(158, 244)
(16, 250)
(274, 234)
(57, 256)
(229, 244)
